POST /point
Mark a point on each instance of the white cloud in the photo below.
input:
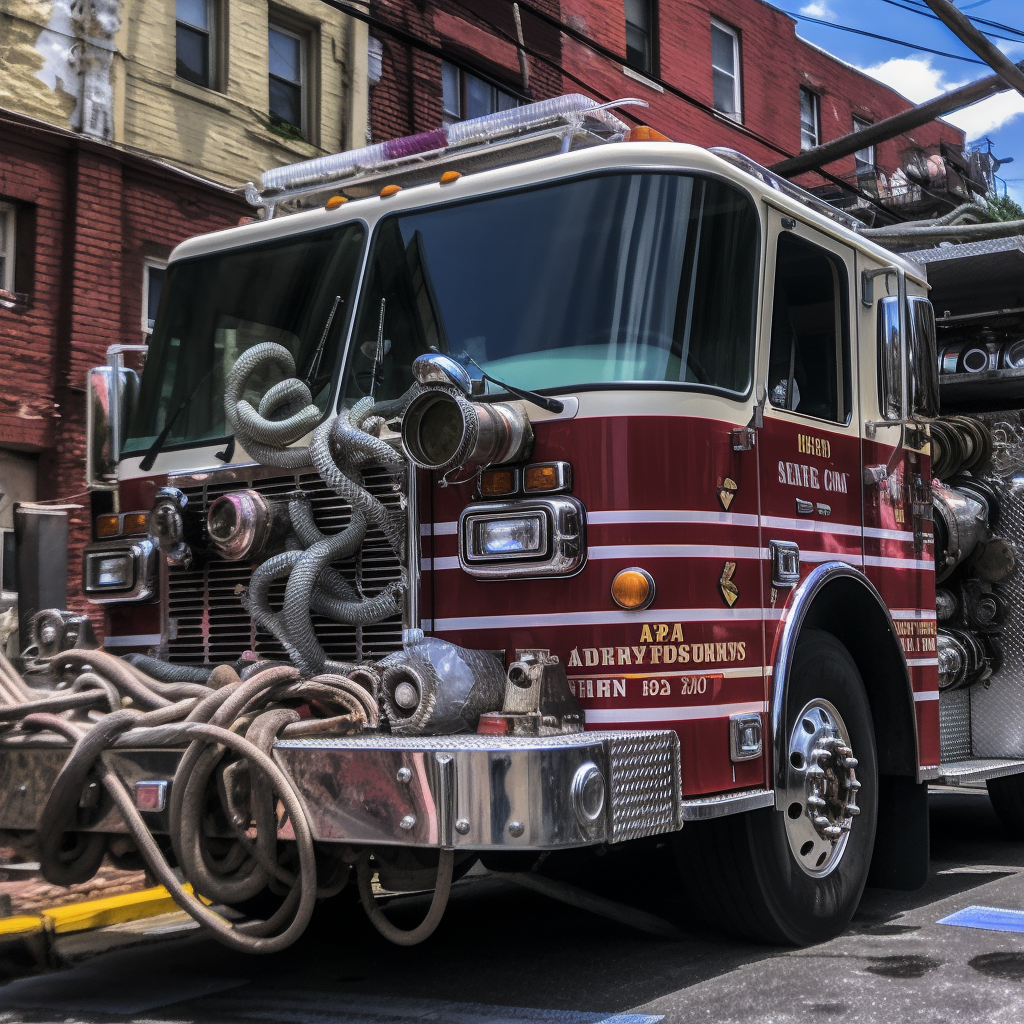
(1013, 50)
(818, 9)
(918, 80)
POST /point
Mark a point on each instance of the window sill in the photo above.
(736, 117)
(211, 97)
(16, 302)
(638, 76)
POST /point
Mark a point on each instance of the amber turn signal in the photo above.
(108, 526)
(449, 176)
(135, 523)
(633, 589)
(541, 478)
(644, 133)
(497, 481)
(334, 202)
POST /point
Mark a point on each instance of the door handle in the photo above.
(785, 556)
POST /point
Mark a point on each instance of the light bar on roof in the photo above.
(569, 109)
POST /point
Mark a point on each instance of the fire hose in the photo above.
(243, 718)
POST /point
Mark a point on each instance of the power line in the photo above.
(887, 39)
(977, 21)
(927, 14)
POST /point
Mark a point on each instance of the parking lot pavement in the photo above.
(508, 953)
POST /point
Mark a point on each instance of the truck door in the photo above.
(809, 448)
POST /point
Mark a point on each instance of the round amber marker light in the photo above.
(334, 202)
(632, 588)
(449, 176)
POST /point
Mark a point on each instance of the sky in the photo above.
(919, 75)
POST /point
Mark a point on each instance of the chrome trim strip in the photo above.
(703, 808)
(697, 712)
(601, 618)
(793, 619)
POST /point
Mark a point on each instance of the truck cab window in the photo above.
(809, 360)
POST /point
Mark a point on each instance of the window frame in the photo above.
(148, 264)
(652, 39)
(5, 594)
(862, 166)
(9, 213)
(213, 46)
(815, 98)
(737, 75)
(462, 72)
(304, 34)
(846, 397)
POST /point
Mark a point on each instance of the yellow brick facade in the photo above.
(107, 69)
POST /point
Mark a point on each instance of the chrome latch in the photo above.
(745, 737)
(785, 563)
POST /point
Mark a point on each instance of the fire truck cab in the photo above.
(666, 564)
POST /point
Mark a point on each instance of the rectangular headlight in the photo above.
(521, 536)
(114, 571)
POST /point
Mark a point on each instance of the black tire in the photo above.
(1007, 796)
(739, 871)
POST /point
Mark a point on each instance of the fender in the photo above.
(839, 598)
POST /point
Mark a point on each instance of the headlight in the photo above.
(110, 571)
(541, 537)
(518, 536)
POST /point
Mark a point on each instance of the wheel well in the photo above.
(848, 610)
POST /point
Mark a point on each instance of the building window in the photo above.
(289, 58)
(864, 158)
(465, 95)
(725, 69)
(8, 240)
(810, 119)
(152, 284)
(8, 563)
(640, 35)
(194, 23)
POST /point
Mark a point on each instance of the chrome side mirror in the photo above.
(890, 359)
(106, 416)
(922, 359)
(435, 368)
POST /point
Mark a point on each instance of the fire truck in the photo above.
(592, 477)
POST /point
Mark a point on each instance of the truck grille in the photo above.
(204, 622)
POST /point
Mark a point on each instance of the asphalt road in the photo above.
(507, 953)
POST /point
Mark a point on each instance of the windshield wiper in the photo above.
(550, 404)
(314, 365)
(157, 446)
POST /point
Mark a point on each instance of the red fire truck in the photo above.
(599, 466)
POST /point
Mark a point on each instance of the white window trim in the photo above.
(148, 264)
(304, 40)
(737, 95)
(815, 110)
(10, 214)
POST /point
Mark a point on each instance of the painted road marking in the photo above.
(993, 919)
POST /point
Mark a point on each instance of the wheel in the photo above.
(1007, 796)
(795, 877)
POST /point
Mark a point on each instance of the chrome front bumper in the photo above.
(464, 792)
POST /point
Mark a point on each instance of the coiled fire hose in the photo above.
(228, 717)
(339, 450)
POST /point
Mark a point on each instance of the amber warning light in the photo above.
(633, 589)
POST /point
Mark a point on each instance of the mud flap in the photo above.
(900, 857)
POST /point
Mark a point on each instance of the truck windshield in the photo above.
(297, 292)
(614, 279)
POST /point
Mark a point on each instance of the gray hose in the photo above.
(414, 936)
(167, 672)
(263, 438)
(950, 233)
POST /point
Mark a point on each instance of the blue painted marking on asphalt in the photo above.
(993, 919)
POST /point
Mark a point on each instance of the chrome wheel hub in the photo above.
(821, 788)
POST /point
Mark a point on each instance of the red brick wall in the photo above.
(774, 63)
(99, 213)
(476, 34)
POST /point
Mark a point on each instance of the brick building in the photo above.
(715, 73)
(83, 220)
